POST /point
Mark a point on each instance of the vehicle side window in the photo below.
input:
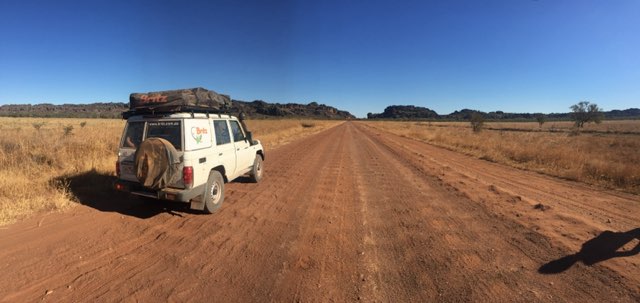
(133, 135)
(222, 132)
(238, 135)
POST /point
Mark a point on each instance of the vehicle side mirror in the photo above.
(249, 138)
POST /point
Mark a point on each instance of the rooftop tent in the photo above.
(198, 99)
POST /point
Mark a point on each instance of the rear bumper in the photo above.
(173, 194)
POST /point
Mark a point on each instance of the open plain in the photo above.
(345, 214)
(604, 154)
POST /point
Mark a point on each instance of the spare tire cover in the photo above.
(157, 163)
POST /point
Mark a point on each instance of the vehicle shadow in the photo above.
(95, 190)
(605, 246)
(242, 179)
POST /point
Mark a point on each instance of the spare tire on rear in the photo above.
(157, 163)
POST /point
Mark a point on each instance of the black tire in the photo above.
(214, 192)
(257, 170)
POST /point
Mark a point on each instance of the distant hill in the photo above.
(621, 114)
(262, 109)
(256, 109)
(404, 112)
(46, 110)
(410, 112)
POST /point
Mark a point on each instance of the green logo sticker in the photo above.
(197, 132)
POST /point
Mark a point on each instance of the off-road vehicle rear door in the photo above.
(139, 130)
(131, 139)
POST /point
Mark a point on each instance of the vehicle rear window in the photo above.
(133, 135)
(168, 130)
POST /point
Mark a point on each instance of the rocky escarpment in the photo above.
(410, 112)
(262, 109)
(404, 112)
(256, 110)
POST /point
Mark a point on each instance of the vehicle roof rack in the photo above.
(167, 110)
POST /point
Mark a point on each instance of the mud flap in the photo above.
(197, 203)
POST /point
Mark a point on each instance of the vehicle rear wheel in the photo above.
(214, 192)
(256, 171)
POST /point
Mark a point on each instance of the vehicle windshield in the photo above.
(168, 130)
(133, 135)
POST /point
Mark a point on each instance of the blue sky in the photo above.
(512, 55)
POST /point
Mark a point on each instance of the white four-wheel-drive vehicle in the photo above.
(177, 145)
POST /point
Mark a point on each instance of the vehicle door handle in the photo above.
(202, 160)
(238, 148)
(220, 154)
(246, 147)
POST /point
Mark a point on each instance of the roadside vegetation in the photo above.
(604, 154)
(585, 112)
(36, 154)
(477, 122)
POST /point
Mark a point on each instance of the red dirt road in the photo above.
(349, 214)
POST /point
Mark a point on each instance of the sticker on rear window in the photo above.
(165, 123)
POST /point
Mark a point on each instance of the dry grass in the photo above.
(606, 159)
(36, 153)
(36, 156)
(607, 127)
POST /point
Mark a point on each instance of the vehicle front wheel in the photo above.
(256, 171)
(214, 192)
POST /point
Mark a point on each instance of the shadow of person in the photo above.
(95, 190)
(605, 246)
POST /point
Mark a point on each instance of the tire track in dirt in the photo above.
(578, 196)
(572, 212)
(512, 251)
(239, 230)
(344, 215)
(324, 246)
